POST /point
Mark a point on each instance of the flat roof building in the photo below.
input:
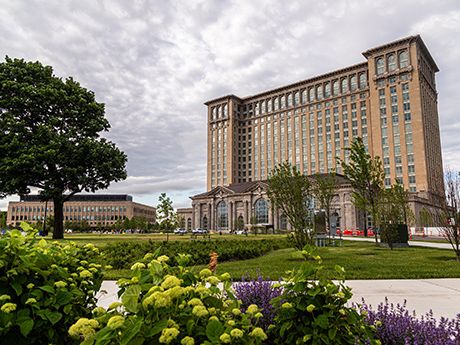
(95, 209)
(390, 100)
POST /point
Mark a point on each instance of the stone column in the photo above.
(211, 217)
(230, 215)
(245, 213)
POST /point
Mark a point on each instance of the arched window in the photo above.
(362, 81)
(269, 105)
(289, 100)
(335, 87)
(261, 211)
(304, 96)
(311, 94)
(380, 66)
(205, 223)
(189, 223)
(403, 59)
(222, 215)
(344, 85)
(327, 90)
(296, 98)
(282, 102)
(391, 62)
(276, 104)
(283, 222)
(319, 91)
(353, 83)
(240, 223)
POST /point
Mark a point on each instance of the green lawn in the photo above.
(102, 240)
(361, 260)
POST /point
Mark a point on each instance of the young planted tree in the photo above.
(394, 213)
(366, 177)
(165, 212)
(290, 191)
(324, 189)
(449, 218)
(50, 137)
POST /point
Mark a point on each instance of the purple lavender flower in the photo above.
(395, 325)
(259, 292)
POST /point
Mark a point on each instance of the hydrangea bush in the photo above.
(313, 310)
(395, 325)
(163, 304)
(44, 287)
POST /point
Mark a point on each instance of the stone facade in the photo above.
(186, 214)
(96, 209)
(390, 100)
(242, 205)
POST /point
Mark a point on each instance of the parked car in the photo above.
(199, 231)
(180, 231)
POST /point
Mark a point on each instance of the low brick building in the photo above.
(95, 209)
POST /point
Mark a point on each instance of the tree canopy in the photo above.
(165, 212)
(50, 137)
(366, 178)
(290, 191)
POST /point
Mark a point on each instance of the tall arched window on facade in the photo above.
(335, 87)
(353, 83)
(380, 66)
(311, 94)
(319, 91)
(205, 223)
(327, 90)
(222, 215)
(362, 81)
(261, 211)
(344, 85)
(403, 59)
(189, 223)
(283, 222)
(391, 62)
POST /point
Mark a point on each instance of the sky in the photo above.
(154, 64)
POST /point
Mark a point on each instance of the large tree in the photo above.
(50, 137)
(366, 177)
(290, 191)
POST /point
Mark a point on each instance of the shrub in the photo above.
(261, 293)
(395, 325)
(124, 254)
(313, 310)
(44, 287)
(165, 304)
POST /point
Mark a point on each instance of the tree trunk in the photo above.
(365, 223)
(58, 231)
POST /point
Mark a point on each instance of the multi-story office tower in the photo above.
(389, 100)
(96, 209)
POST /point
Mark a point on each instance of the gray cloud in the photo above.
(154, 63)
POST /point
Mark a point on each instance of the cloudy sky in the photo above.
(154, 64)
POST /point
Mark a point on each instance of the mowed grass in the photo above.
(361, 260)
(101, 240)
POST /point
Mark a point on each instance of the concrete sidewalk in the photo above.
(442, 296)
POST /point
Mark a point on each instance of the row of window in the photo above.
(311, 94)
(68, 218)
(391, 61)
(260, 213)
(67, 209)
